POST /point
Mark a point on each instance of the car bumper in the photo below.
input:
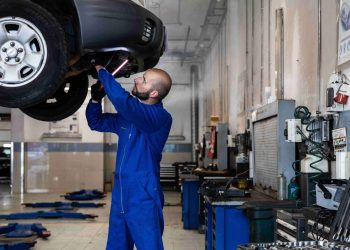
(110, 25)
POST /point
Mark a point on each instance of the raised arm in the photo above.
(106, 122)
(147, 118)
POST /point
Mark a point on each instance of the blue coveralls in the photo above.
(136, 215)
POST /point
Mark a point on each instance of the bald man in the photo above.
(142, 125)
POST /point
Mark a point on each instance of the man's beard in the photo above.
(141, 95)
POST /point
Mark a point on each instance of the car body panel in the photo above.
(108, 25)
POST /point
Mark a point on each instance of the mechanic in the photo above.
(142, 125)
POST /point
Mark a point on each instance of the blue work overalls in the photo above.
(136, 215)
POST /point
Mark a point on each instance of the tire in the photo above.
(42, 63)
(64, 102)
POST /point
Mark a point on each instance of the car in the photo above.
(47, 47)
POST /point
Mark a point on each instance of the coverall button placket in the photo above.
(120, 172)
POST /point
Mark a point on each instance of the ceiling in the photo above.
(191, 24)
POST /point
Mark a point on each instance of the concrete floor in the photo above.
(92, 234)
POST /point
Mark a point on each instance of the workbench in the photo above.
(226, 226)
(204, 174)
(232, 221)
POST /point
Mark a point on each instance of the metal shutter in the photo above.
(266, 152)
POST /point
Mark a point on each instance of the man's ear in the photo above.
(154, 94)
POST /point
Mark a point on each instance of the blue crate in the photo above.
(190, 204)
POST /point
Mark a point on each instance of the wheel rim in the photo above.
(62, 95)
(23, 52)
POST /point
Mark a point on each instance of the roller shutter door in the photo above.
(266, 152)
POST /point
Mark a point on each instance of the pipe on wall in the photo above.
(319, 56)
(194, 109)
(269, 44)
(220, 63)
(279, 54)
(337, 14)
(252, 56)
(245, 101)
(261, 50)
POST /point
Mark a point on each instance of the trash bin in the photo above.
(262, 218)
(190, 204)
(262, 225)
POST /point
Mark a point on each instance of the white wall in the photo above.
(34, 129)
(248, 39)
(178, 103)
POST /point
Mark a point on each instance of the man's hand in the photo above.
(102, 59)
(98, 67)
(97, 91)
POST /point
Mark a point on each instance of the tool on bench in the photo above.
(329, 193)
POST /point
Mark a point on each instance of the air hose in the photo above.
(302, 113)
(314, 148)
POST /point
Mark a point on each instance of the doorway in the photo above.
(5, 168)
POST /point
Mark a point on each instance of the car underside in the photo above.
(47, 50)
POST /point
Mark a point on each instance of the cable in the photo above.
(321, 218)
(241, 173)
(302, 113)
(315, 148)
(297, 173)
(227, 186)
(306, 138)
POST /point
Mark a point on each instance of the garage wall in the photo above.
(247, 37)
(236, 76)
(238, 72)
(214, 95)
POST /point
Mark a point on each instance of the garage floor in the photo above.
(91, 235)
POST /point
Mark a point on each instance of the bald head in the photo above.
(161, 82)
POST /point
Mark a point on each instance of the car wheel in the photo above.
(65, 102)
(33, 54)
